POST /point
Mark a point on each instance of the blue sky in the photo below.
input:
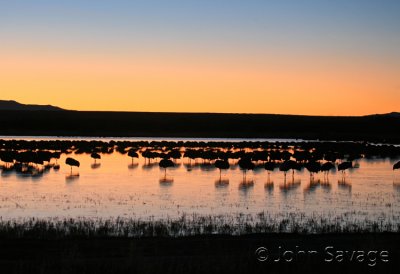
(251, 24)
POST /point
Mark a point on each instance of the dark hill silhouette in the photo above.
(377, 128)
(391, 114)
(13, 105)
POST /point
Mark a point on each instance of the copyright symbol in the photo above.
(261, 254)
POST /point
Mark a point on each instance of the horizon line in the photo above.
(198, 112)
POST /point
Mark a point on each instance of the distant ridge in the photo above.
(379, 128)
(391, 114)
(13, 105)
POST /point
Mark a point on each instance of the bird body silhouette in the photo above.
(245, 164)
(345, 165)
(221, 164)
(327, 166)
(313, 167)
(72, 162)
(166, 163)
(95, 156)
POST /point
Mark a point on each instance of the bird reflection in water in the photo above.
(192, 166)
(133, 165)
(207, 167)
(269, 186)
(149, 166)
(24, 170)
(6, 172)
(290, 185)
(325, 184)
(72, 177)
(396, 186)
(221, 183)
(188, 166)
(312, 185)
(95, 165)
(37, 176)
(165, 181)
(246, 184)
(344, 184)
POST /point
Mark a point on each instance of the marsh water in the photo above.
(115, 186)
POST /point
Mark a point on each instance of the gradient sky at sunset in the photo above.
(322, 57)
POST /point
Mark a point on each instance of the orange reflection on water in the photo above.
(113, 186)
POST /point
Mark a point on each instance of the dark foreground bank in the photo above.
(329, 253)
(379, 128)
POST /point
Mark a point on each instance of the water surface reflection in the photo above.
(114, 186)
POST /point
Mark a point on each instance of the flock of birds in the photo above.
(35, 161)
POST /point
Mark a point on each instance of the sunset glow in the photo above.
(203, 56)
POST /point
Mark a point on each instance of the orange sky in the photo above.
(331, 58)
(274, 85)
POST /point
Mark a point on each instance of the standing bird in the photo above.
(221, 164)
(326, 167)
(269, 166)
(245, 164)
(95, 156)
(345, 165)
(166, 163)
(133, 154)
(342, 167)
(289, 165)
(313, 167)
(56, 155)
(72, 162)
(396, 165)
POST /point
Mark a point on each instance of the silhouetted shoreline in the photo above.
(373, 128)
(13, 105)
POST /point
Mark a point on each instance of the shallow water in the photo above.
(115, 187)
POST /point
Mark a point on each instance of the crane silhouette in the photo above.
(72, 162)
(166, 163)
(288, 165)
(396, 165)
(95, 156)
(245, 164)
(133, 154)
(326, 167)
(344, 166)
(221, 164)
(313, 167)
